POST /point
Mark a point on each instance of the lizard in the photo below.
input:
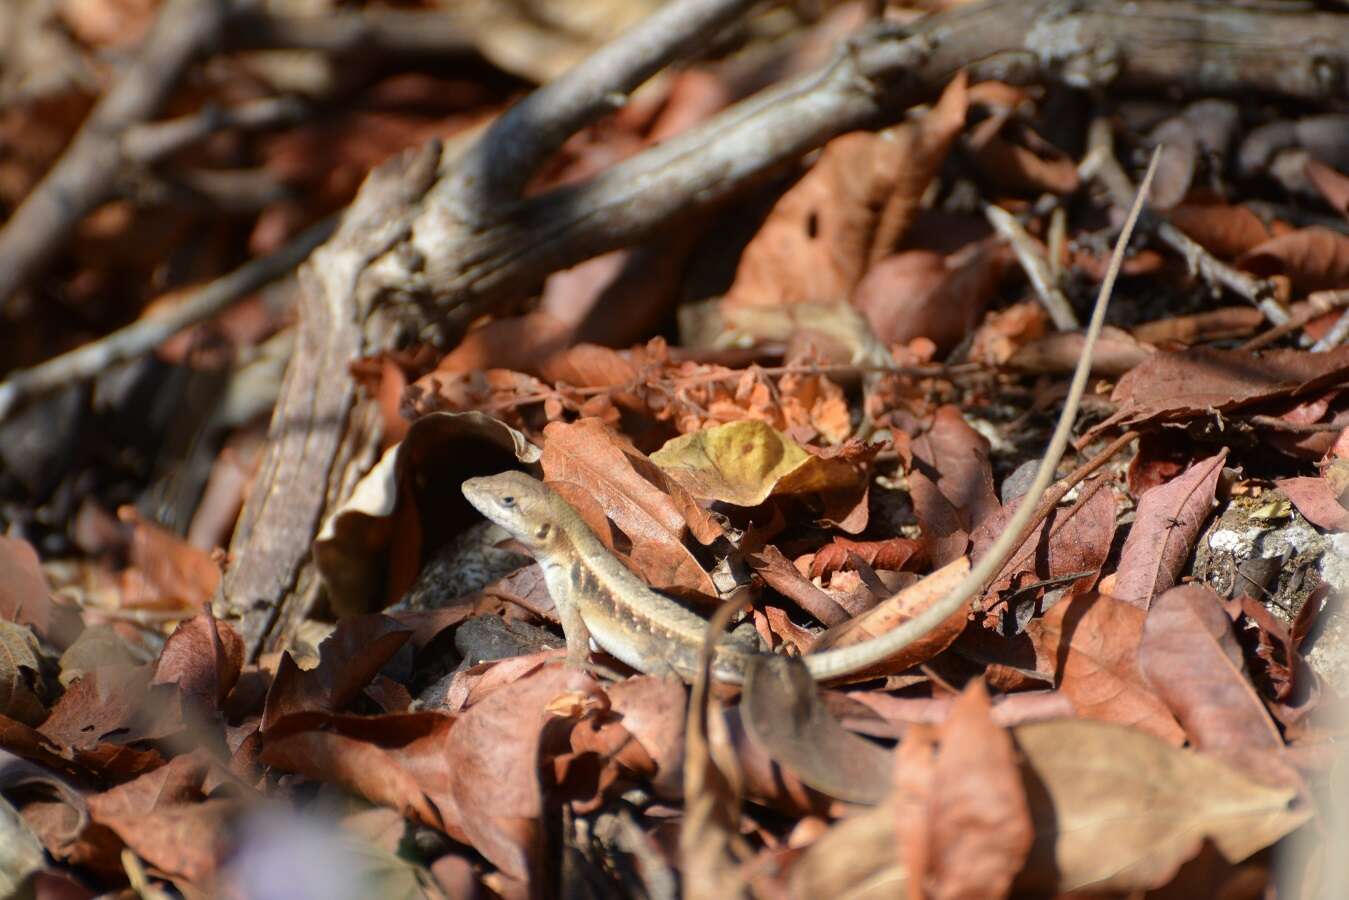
(599, 599)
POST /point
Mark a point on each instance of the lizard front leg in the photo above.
(577, 635)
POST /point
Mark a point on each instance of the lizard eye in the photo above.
(508, 500)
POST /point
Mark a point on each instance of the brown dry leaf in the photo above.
(1314, 259)
(1089, 644)
(1025, 164)
(398, 761)
(1191, 657)
(517, 343)
(1318, 502)
(1201, 381)
(608, 480)
(951, 481)
(899, 609)
(1115, 353)
(1333, 185)
(1069, 541)
(744, 463)
(1165, 528)
(1008, 709)
(20, 679)
(892, 553)
(778, 573)
(166, 571)
(203, 657)
(652, 710)
(847, 212)
(493, 755)
(166, 819)
(98, 646)
(25, 598)
(1118, 810)
(783, 712)
(1225, 230)
(1218, 324)
(919, 293)
(980, 829)
(856, 858)
(1004, 331)
(358, 648)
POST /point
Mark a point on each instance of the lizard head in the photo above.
(524, 506)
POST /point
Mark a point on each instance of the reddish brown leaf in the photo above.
(1227, 231)
(951, 483)
(166, 570)
(1334, 186)
(493, 755)
(652, 711)
(1314, 259)
(1317, 501)
(898, 609)
(849, 210)
(893, 553)
(779, 573)
(1116, 352)
(114, 705)
(1089, 644)
(1069, 542)
(24, 597)
(918, 293)
(357, 649)
(396, 760)
(980, 824)
(1191, 658)
(164, 817)
(203, 657)
(1165, 528)
(1200, 381)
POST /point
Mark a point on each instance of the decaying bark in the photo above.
(454, 236)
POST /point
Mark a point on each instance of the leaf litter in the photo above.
(818, 404)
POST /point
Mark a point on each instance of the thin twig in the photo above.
(495, 171)
(84, 176)
(148, 143)
(1260, 292)
(1274, 423)
(143, 335)
(385, 32)
(1036, 269)
(1316, 305)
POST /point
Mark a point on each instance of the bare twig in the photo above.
(149, 143)
(141, 336)
(1316, 305)
(496, 170)
(390, 32)
(85, 174)
(1036, 269)
(1260, 292)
